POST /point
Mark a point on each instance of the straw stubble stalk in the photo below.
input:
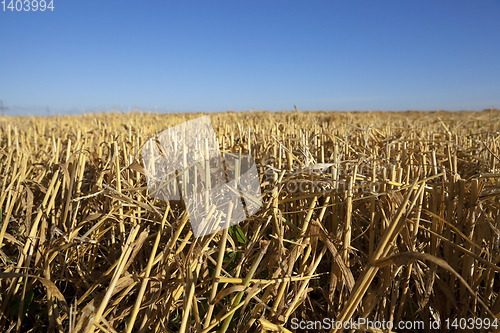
(468, 267)
(382, 250)
(263, 249)
(127, 249)
(413, 236)
(218, 268)
(348, 226)
(145, 280)
(300, 292)
(188, 299)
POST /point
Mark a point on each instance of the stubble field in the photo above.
(389, 216)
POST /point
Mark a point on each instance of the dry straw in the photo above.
(387, 216)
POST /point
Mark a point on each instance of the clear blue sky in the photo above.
(189, 56)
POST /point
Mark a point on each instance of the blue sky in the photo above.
(190, 56)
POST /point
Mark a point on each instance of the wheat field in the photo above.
(388, 216)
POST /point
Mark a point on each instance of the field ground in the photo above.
(401, 224)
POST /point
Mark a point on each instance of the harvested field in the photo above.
(386, 216)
